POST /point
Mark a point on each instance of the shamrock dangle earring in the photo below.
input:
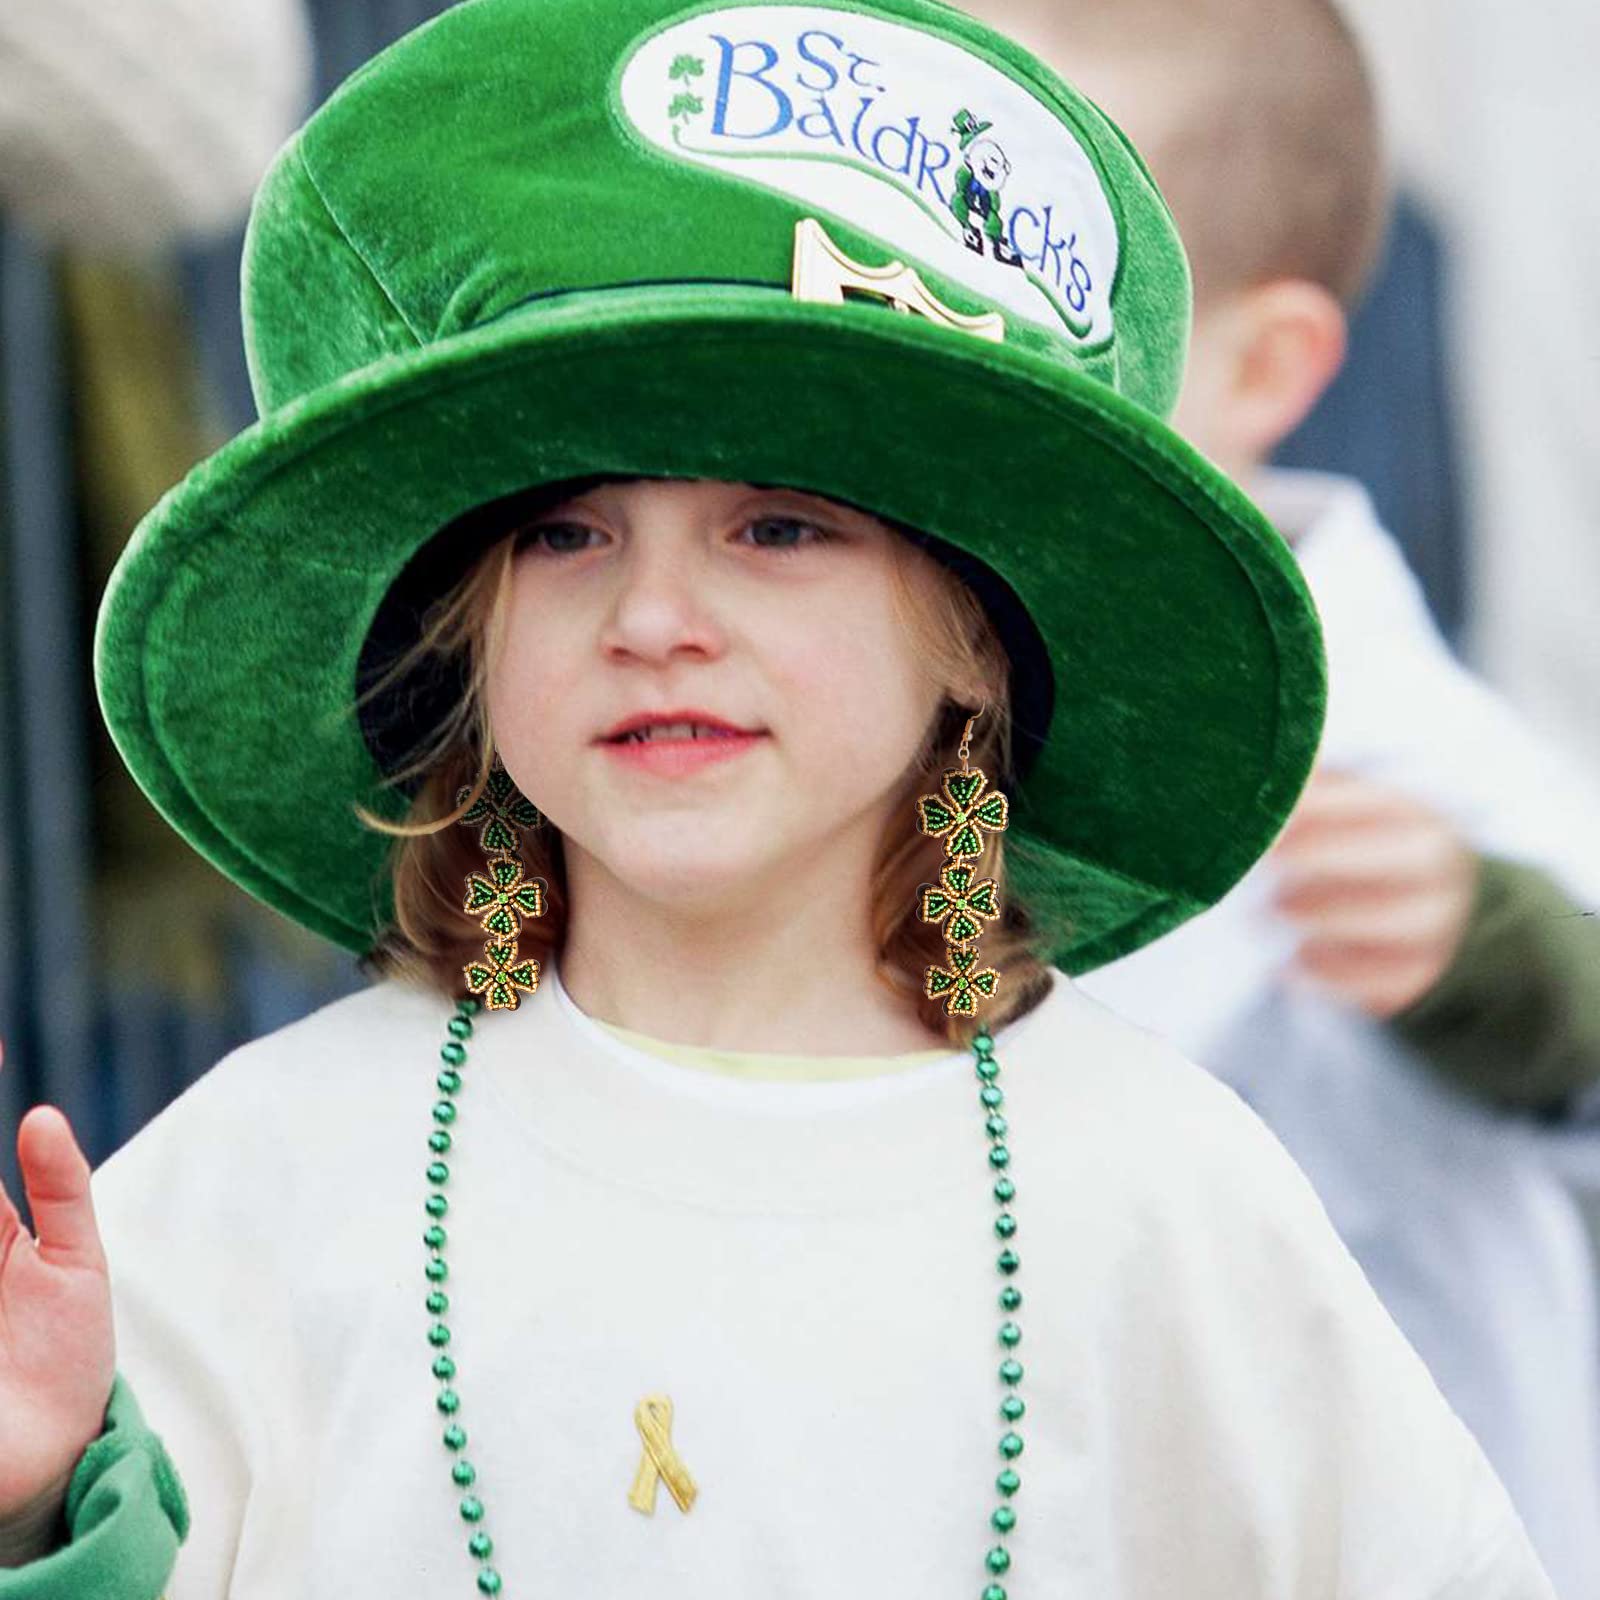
(961, 901)
(502, 895)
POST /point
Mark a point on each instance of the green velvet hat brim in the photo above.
(1189, 678)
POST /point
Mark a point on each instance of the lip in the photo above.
(676, 758)
(643, 719)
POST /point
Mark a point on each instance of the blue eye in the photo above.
(783, 533)
(558, 538)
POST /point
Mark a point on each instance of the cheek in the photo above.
(529, 688)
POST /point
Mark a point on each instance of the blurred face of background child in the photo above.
(777, 612)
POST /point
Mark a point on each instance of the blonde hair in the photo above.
(432, 937)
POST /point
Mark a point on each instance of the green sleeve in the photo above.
(126, 1513)
(1516, 1017)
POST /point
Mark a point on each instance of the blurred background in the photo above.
(131, 138)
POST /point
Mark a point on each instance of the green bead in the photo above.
(444, 1368)
(453, 1052)
(1010, 1335)
(459, 1028)
(1011, 1445)
(455, 1436)
(464, 1474)
(443, 1111)
(449, 1080)
(436, 1270)
(1005, 1191)
(992, 1096)
(488, 1581)
(472, 1508)
(1011, 1372)
(1008, 1482)
(438, 1303)
(438, 1334)
(999, 1156)
(1003, 1520)
(436, 1205)
(435, 1237)
(993, 1591)
(996, 1126)
(467, 1008)
(1005, 1225)
(983, 1040)
(480, 1545)
(988, 1068)
(1010, 1297)
(448, 1402)
(1008, 1261)
(998, 1559)
(1012, 1408)
(438, 1172)
(439, 1141)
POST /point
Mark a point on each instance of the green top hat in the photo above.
(540, 240)
(967, 127)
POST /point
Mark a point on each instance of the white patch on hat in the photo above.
(875, 120)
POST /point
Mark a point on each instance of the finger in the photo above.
(55, 1174)
(1381, 982)
(1393, 919)
(1412, 853)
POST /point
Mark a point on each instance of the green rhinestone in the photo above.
(480, 1545)
(1003, 1520)
(998, 1559)
(438, 1172)
(1011, 1372)
(438, 1303)
(1008, 1261)
(443, 1111)
(436, 1205)
(435, 1237)
(488, 1581)
(993, 1591)
(996, 1126)
(448, 1402)
(999, 1156)
(1011, 1445)
(444, 1368)
(992, 1096)
(436, 1270)
(1005, 1191)
(1010, 1335)
(455, 1436)
(1008, 1482)
(439, 1141)
(1012, 1408)
(1010, 1297)
(467, 1008)
(472, 1508)
(438, 1334)
(988, 1068)
(449, 1080)
(1005, 1225)
(464, 1473)
(453, 1052)
(459, 1028)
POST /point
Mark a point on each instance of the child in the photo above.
(737, 665)
(1412, 913)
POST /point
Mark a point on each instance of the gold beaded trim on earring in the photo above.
(961, 814)
(502, 896)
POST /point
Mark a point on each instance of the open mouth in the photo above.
(660, 731)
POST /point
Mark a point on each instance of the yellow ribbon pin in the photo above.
(660, 1462)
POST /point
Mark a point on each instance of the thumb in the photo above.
(55, 1174)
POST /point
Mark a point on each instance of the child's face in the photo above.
(770, 610)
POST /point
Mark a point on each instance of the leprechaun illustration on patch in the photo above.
(975, 196)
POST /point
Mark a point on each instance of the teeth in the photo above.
(674, 730)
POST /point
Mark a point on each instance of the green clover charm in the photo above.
(961, 901)
(499, 975)
(502, 899)
(960, 986)
(963, 811)
(502, 809)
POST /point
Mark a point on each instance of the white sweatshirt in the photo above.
(1217, 1407)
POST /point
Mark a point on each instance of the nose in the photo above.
(659, 611)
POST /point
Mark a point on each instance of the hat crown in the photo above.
(572, 146)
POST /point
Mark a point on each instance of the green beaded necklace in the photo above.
(464, 1475)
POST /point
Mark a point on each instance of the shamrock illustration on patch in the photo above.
(963, 811)
(502, 809)
(960, 986)
(958, 902)
(502, 899)
(499, 975)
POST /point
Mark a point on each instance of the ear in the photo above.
(1289, 341)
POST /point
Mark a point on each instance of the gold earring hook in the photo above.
(966, 738)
